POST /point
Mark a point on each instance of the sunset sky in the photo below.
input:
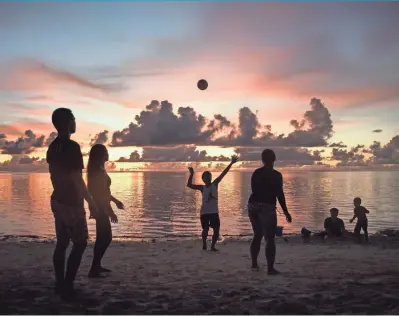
(326, 75)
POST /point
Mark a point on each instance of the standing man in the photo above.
(67, 201)
(267, 187)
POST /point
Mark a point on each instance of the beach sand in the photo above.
(178, 277)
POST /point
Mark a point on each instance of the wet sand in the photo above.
(178, 277)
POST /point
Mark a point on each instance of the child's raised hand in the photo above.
(234, 159)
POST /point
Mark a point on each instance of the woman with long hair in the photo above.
(99, 183)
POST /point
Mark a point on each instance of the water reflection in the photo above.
(159, 204)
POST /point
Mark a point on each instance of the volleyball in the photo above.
(202, 84)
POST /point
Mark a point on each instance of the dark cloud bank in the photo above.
(166, 136)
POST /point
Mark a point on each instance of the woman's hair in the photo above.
(96, 158)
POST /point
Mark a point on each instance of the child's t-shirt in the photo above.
(360, 213)
(209, 200)
(336, 227)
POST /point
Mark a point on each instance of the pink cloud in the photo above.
(10, 130)
(31, 75)
(274, 51)
(29, 110)
(51, 85)
(18, 128)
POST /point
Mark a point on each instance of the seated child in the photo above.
(334, 226)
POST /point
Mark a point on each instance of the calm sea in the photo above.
(158, 204)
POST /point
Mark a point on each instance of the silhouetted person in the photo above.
(99, 183)
(362, 221)
(334, 226)
(209, 213)
(267, 186)
(65, 165)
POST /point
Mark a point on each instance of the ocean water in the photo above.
(158, 204)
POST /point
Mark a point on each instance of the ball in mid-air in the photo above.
(202, 84)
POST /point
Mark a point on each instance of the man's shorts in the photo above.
(70, 223)
(263, 218)
(210, 220)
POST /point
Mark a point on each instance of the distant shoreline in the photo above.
(236, 170)
(291, 237)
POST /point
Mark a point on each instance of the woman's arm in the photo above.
(118, 203)
(281, 200)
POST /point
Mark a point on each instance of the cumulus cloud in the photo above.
(172, 154)
(285, 156)
(181, 153)
(159, 126)
(314, 129)
(51, 138)
(353, 157)
(387, 154)
(23, 145)
(377, 131)
(28, 160)
(100, 138)
(338, 145)
(24, 163)
(134, 157)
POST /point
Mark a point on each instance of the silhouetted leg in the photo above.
(63, 237)
(255, 249)
(366, 233)
(100, 249)
(357, 231)
(205, 230)
(103, 240)
(74, 261)
(257, 239)
(59, 263)
(79, 236)
(269, 225)
(215, 224)
(270, 254)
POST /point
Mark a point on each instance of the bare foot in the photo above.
(255, 267)
(68, 293)
(273, 272)
(95, 274)
(58, 288)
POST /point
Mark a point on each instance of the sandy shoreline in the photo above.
(177, 277)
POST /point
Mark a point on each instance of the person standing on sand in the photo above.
(67, 201)
(362, 221)
(209, 213)
(99, 183)
(267, 186)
